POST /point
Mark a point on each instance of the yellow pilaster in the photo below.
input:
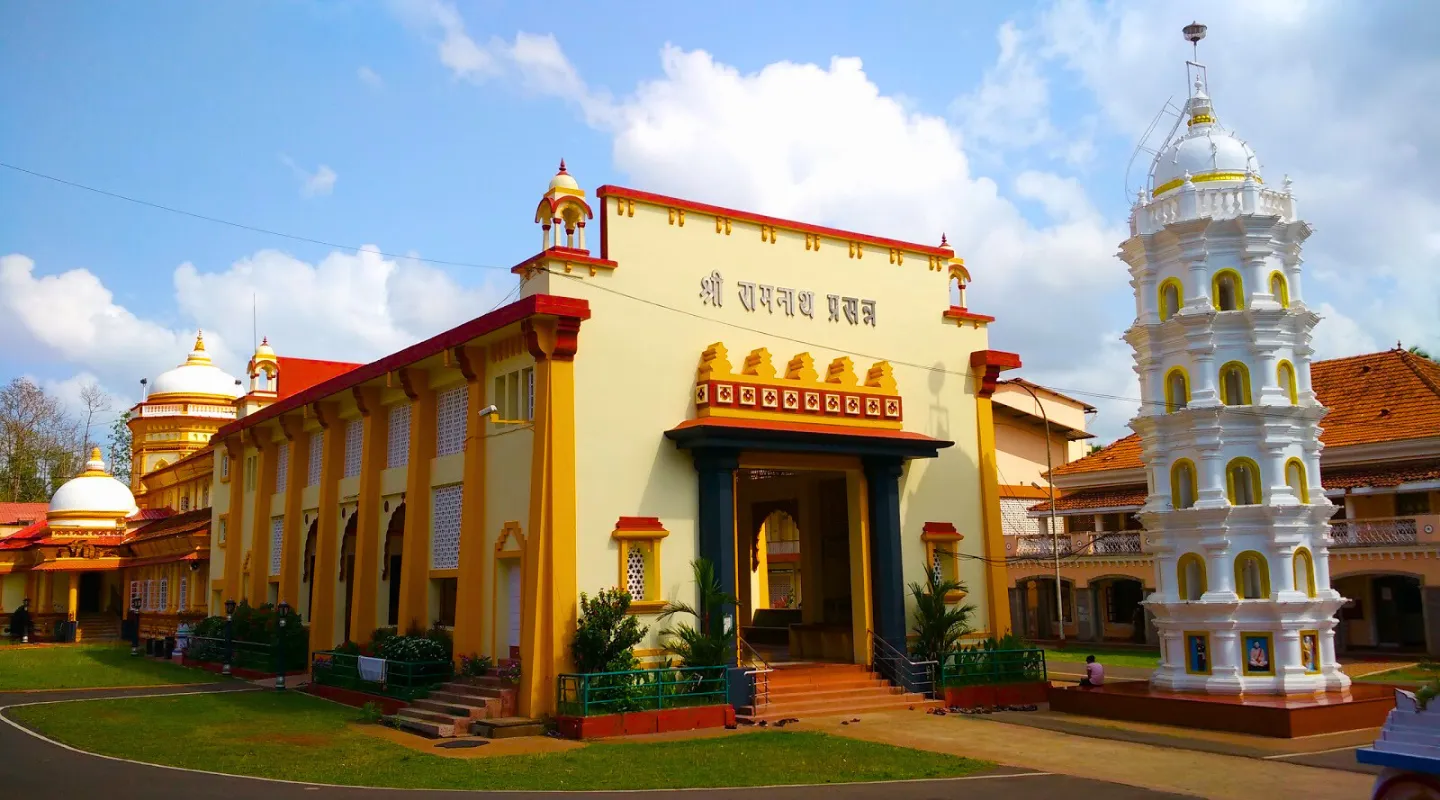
(472, 614)
(323, 634)
(375, 431)
(73, 601)
(293, 540)
(235, 520)
(997, 590)
(266, 467)
(415, 555)
(549, 585)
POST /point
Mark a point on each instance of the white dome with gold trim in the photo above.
(1206, 152)
(197, 376)
(91, 500)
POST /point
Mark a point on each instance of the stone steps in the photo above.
(507, 727)
(797, 691)
(478, 705)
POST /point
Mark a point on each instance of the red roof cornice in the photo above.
(524, 308)
(761, 219)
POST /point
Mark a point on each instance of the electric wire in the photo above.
(1248, 410)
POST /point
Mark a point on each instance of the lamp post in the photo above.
(24, 622)
(1054, 534)
(283, 611)
(135, 626)
(229, 636)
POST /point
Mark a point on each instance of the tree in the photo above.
(37, 442)
(1422, 353)
(120, 448)
(606, 633)
(938, 625)
(94, 399)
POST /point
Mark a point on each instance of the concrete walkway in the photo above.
(1163, 769)
(38, 769)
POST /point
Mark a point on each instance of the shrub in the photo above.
(511, 672)
(474, 666)
(378, 638)
(413, 649)
(606, 633)
(350, 649)
(441, 637)
(937, 624)
(371, 714)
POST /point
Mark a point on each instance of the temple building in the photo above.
(99, 546)
(639, 406)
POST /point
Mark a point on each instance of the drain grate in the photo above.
(457, 744)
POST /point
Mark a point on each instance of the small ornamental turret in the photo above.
(563, 207)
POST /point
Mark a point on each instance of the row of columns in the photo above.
(549, 581)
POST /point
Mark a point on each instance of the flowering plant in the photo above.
(511, 672)
(474, 666)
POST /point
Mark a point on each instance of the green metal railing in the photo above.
(596, 693)
(978, 666)
(257, 656)
(405, 680)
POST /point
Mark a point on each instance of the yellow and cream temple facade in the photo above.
(652, 403)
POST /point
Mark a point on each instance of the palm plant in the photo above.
(938, 625)
(709, 642)
(1419, 351)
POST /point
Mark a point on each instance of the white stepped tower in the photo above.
(1236, 518)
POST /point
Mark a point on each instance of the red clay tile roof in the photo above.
(1117, 497)
(24, 537)
(1383, 474)
(152, 513)
(184, 522)
(299, 374)
(1376, 397)
(22, 513)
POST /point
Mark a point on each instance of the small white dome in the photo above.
(562, 179)
(198, 375)
(91, 499)
(1206, 151)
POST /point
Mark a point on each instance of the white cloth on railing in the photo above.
(371, 669)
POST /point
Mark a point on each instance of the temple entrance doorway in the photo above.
(801, 558)
(91, 584)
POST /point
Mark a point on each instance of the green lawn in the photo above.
(301, 738)
(1113, 657)
(87, 667)
(1418, 674)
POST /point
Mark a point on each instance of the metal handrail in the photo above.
(898, 668)
(760, 676)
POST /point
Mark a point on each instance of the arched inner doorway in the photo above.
(390, 564)
(307, 576)
(1118, 614)
(347, 570)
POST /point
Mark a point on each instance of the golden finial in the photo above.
(200, 341)
(95, 454)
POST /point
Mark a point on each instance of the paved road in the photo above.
(36, 769)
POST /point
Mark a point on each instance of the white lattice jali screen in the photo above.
(354, 441)
(317, 449)
(184, 601)
(781, 589)
(635, 570)
(445, 527)
(164, 594)
(277, 543)
(450, 422)
(397, 448)
(282, 467)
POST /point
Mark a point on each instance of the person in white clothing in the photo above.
(1094, 674)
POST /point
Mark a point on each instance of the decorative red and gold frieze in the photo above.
(801, 395)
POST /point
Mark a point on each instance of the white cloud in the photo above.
(312, 184)
(370, 77)
(825, 143)
(349, 306)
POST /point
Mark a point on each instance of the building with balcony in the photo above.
(1379, 466)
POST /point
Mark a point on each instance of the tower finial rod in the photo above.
(1194, 32)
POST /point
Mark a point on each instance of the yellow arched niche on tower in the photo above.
(1182, 480)
(1242, 475)
(1227, 290)
(1177, 389)
(1170, 296)
(1235, 384)
(1280, 289)
(1285, 376)
(1252, 561)
(1297, 480)
(1191, 586)
(1304, 567)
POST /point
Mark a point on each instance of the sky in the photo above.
(426, 129)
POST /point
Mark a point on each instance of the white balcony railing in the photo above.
(1116, 543)
(783, 547)
(1383, 532)
(1219, 202)
(1103, 543)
